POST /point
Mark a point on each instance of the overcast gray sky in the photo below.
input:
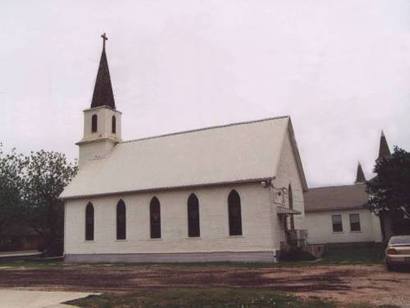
(341, 69)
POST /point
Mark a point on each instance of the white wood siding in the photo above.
(256, 223)
(320, 229)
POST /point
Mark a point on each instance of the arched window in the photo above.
(121, 220)
(234, 211)
(290, 196)
(89, 222)
(113, 125)
(193, 216)
(94, 123)
(155, 218)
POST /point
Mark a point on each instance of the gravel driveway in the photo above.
(344, 283)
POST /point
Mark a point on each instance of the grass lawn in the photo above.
(210, 297)
(30, 264)
(353, 254)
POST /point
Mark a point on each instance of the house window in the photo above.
(121, 220)
(234, 212)
(354, 222)
(193, 216)
(155, 218)
(94, 123)
(113, 125)
(292, 219)
(337, 223)
(89, 222)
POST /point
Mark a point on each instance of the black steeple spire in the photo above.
(103, 95)
(360, 178)
(384, 151)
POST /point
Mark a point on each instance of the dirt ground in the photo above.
(343, 283)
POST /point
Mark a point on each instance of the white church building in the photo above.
(225, 193)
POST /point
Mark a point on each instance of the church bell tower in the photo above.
(102, 122)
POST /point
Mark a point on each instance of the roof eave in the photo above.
(356, 207)
(297, 156)
(204, 185)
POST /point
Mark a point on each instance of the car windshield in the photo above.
(400, 240)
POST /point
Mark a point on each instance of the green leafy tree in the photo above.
(390, 190)
(11, 168)
(44, 178)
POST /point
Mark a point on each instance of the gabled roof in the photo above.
(241, 152)
(103, 94)
(334, 198)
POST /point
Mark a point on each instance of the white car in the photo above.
(398, 251)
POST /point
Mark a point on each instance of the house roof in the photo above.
(336, 198)
(282, 210)
(241, 152)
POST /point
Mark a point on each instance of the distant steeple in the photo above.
(360, 178)
(103, 94)
(384, 151)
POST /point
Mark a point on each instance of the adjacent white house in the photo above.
(339, 214)
(225, 193)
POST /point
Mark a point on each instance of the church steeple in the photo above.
(384, 151)
(103, 94)
(102, 122)
(360, 178)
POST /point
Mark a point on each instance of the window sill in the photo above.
(338, 232)
(125, 240)
(89, 241)
(356, 231)
(235, 236)
(193, 238)
(155, 239)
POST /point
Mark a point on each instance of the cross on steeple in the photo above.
(105, 38)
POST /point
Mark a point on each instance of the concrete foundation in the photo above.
(250, 256)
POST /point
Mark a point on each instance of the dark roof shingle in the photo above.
(384, 151)
(103, 94)
(336, 198)
(360, 177)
